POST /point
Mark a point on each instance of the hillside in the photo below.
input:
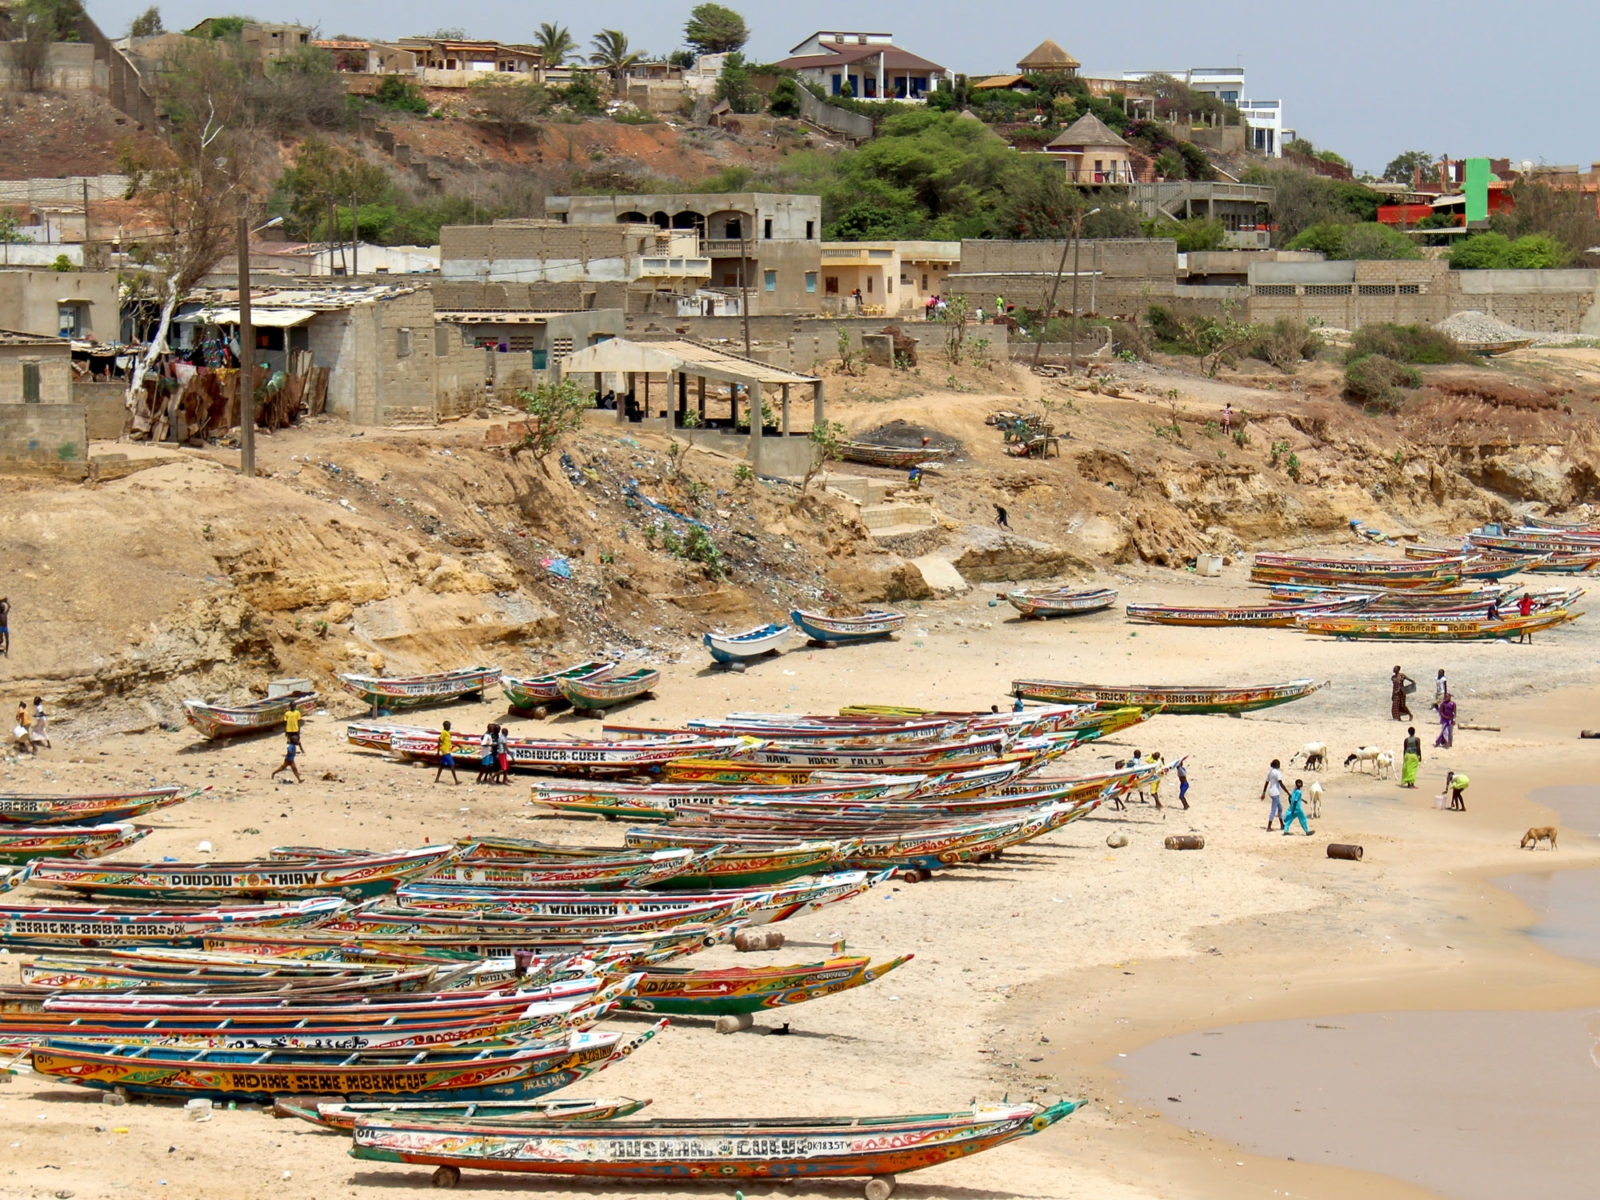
(411, 550)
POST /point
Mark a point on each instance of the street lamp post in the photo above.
(247, 350)
(1077, 246)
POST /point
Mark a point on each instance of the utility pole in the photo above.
(1077, 246)
(247, 357)
(355, 236)
(1050, 304)
(744, 282)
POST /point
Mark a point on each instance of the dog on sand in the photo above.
(1542, 833)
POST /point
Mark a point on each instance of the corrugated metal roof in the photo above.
(690, 358)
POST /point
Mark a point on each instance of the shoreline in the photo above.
(1034, 946)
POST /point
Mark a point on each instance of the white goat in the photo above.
(1359, 760)
(1315, 754)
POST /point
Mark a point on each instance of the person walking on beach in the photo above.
(290, 749)
(502, 753)
(22, 730)
(1525, 610)
(1274, 788)
(291, 722)
(1410, 758)
(38, 733)
(1398, 708)
(1455, 783)
(5, 626)
(1447, 722)
(1297, 809)
(486, 759)
(1441, 685)
(1155, 783)
(447, 758)
(1001, 517)
(1183, 786)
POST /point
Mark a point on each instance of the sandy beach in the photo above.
(1035, 974)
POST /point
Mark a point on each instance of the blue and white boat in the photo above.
(819, 627)
(752, 643)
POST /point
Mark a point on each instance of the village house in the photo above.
(761, 244)
(1046, 58)
(268, 40)
(1092, 153)
(34, 368)
(369, 58)
(72, 304)
(458, 62)
(893, 278)
(41, 428)
(868, 66)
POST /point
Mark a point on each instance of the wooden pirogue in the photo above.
(413, 691)
(594, 695)
(876, 454)
(752, 643)
(352, 878)
(699, 992)
(341, 1117)
(1270, 616)
(1432, 628)
(36, 810)
(828, 630)
(56, 926)
(1170, 699)
(569, 755)
(30, 843)
(528, 693)
(1060, 602)
(782, 1149)
(217, 721)
(515, 1071)
(1288, 568)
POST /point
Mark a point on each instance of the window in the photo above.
(560, 347)
(441, 341)
(766, 228)
(811, 230)
(771, 279)
(402, 343)
(69, 319)
(830, 285)
(30, 383)
(1327, 289)
(811, 281)
(888, 284)
(1410, 289)
(1274, 289)
(1375, 289)
(924, 283)
(869, 285)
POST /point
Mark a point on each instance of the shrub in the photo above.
(1196, 233)
(1420, 344)
(1496, 252)
(1286, 342)
(1364, 240)
(1376, 380)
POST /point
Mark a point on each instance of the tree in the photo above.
(36, 25)
(734, 86)
(1194, 233)
(1403, 167)
(829, 438)
(10, 234)
(510, 106)
(394, 92)
(1495, 251)
(322, 176)
(147, 24)
(198, 187)
(555, 43)
(557, 410)
(713, 29)
(1347, 240)
(611, 53)
(1304, 199)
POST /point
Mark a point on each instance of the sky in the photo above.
(1366, 78)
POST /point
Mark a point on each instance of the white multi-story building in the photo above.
(1263, 119)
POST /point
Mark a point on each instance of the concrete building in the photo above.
(868, 66)
(1263, 119)
(1092, 153)
(41, 429)
(369, 58)
(74, 304)
(1046, 58)
(647, 258)
(1245, 210)
(895, 279)
(34, 369)
(269, 40)
(765, 243)
(456, 63)
(1116, 278)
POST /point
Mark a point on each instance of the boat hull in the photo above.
(1181, 701)
(843, 630)
(419, 690)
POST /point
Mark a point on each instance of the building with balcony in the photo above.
(1092, 153)
(456, 62)
(642, 257)
(764, 244)
(893, 278)
(868, 66)
(1263, 119)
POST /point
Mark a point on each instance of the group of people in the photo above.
(1400, 686)
(1524, 609)
(28, 733)
(935, 308)
(1275, 790)
(494, 761)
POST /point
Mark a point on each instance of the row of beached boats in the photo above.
(427, 1002)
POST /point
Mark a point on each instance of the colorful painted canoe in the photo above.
(594, 695)
(1269, 616)
(537, 921)
(1533, 543)
(351, 878)
(787, 728)
(496, 863)
(1060, 602)
(514, 1072)
(1375, 568)
(218, 721)
(570, 754)
(1431, 628)
(692, 992)
(342, 1117)
(413, 691)
(751, 866)
(12, 877)
(536, 691)
(752, 643)
(820, 627)
(707, 1149)
(58, 926)
(901, 458)
(656, 801)
(1177, 700)
(30, 843)
(916, 756)
(195, 971)
(91, 810)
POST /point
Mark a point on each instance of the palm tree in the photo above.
(611, 52)
(555, 43)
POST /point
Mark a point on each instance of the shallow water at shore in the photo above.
(1473, 1105)
(1567, 903)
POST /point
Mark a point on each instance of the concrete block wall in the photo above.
(1559, 301)
(459, 370)
(55, 373)
(70, 67)
(403, 381)
(105, 406)
(53, 438)
(331, 339)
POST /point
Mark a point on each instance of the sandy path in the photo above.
(1094, 950)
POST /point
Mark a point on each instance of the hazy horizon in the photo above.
(1370, 82)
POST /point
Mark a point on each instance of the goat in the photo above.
(1315, 754)
(1383, 766)
(1314, 793)
(1363, 756)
